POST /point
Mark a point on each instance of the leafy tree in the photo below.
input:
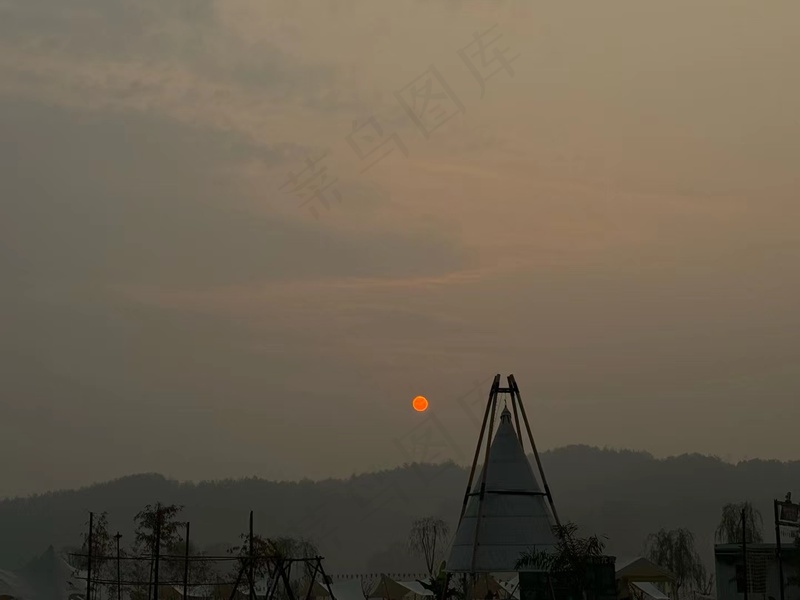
(102, 541)
(729, 530)
(674, 551)
(289, 547)
(102, 548)
(157, 528)
(437, 585)
(571, 559)
(262, 555)
(158, 521)
(427, 538)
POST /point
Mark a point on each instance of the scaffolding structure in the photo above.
(142, 577)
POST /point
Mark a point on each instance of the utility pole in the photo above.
(778, 545)
(251, 559)
(157, 550)
(89, 559)
(186, 565)
(119, 577)
(744, 550)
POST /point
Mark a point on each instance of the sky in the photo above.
(600, 198)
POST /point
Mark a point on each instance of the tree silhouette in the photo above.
(268, 552)
(159, 521)
(674, 489)
(101, 548)
(674, 551)
(571, 560)
(729, 530)
(157, 529)
(427, 537)
(441, 585)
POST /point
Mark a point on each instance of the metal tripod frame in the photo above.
(485, 442)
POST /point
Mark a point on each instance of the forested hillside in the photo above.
(360, 523)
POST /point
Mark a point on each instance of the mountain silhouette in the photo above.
(361, 523)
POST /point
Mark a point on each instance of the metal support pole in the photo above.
(492, 392)
(744, 551)
(157, 550)
(313, 580)
(90, 541)
(186, 565)
(285, 575)
(119, 571)
(512, 383)
(272, 581)
(516, 418)
(778, 545)
(251, 560)
(238, 579)
(325, 577)
(482, 493)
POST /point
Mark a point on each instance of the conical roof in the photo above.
(515, 516)
(50, 577)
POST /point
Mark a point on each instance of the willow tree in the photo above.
(674, 551)
(427, 538)
(729, 530)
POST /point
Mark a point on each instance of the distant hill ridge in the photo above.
(360, 523)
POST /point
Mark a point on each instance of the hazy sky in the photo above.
(613, 219)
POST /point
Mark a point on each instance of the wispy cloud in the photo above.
(619, 211)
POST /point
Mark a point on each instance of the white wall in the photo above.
(726, 582)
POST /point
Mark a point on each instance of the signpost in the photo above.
(787, 527)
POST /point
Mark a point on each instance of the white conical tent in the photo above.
(12, 587)
(342, 590)
(50, 577)
(515, 516)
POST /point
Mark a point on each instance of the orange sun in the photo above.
(420, 403)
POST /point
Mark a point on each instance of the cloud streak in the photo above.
(615, 222)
